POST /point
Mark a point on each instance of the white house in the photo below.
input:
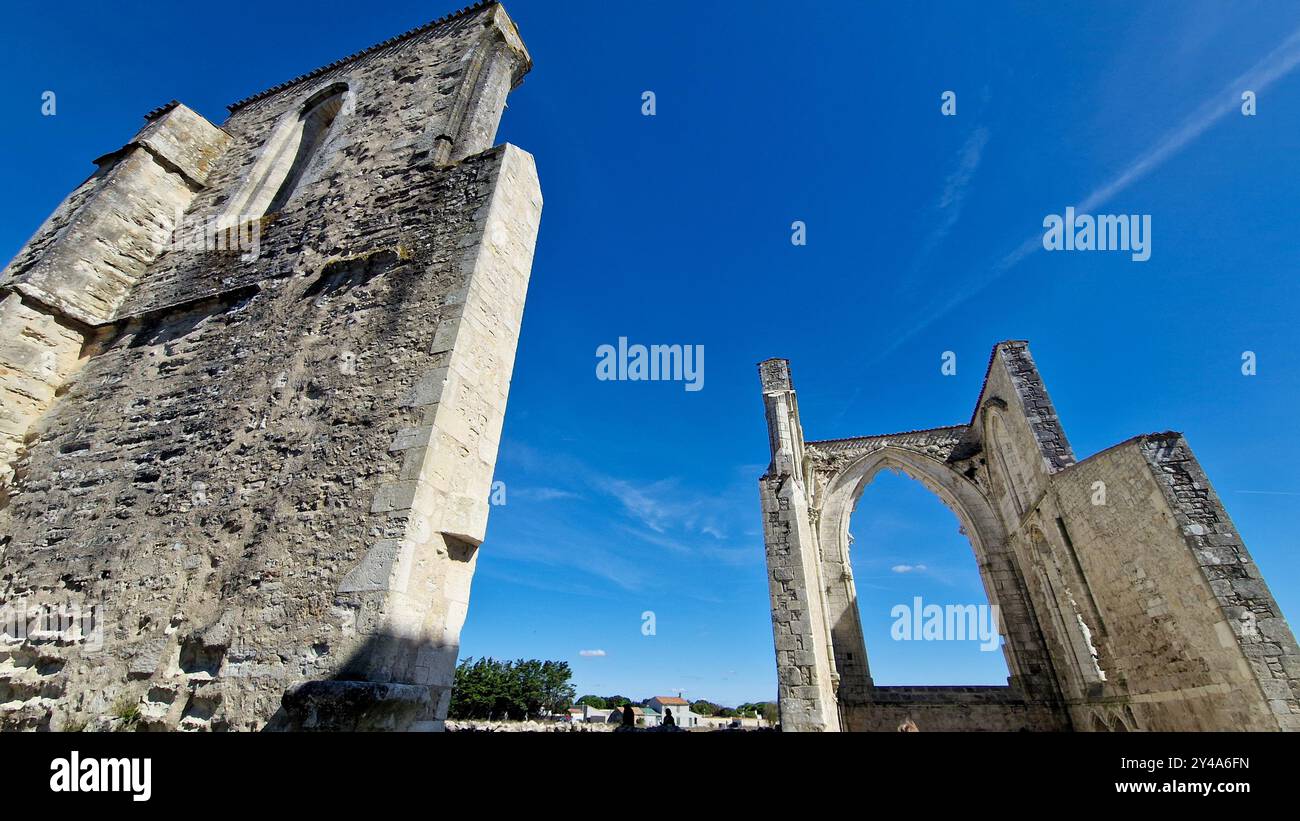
(680, 709)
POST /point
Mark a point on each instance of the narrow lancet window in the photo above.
(287, 156)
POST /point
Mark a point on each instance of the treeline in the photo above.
(515, 690)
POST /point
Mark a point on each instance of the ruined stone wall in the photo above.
(806, 681)
(1173, 653)
(952, 709)
(38, 351)
(83, 261)
(1135, 609)
(271, 471)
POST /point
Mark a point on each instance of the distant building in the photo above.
(651, 716)
(587, 713)
(641, 716)
(680, 708)
(732, 722)
(654, 711)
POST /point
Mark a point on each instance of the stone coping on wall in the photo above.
(392, 41)
(969, 694)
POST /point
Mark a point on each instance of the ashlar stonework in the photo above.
(266, 469)
(1127, 598)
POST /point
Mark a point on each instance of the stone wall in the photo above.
(270, 473)
(952, 709)
(1176, 652)
(1127, 598)
(806, 681)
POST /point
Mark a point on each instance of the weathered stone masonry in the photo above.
(269, 471)
(1127, 599)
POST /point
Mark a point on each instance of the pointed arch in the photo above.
(1026, 653)
(1004, 463)
(944, 542)
(288, 154)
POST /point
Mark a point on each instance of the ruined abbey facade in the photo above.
(252, 383)
(1128, 600)
(252, 379)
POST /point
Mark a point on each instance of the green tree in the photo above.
(480, 689)
(704, 708)
(557, 692)
(595, 702)
(491, 689)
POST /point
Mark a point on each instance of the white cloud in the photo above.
(591, 653)
(546, 494)
(909, 568)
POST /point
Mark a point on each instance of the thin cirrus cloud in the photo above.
(953, 197)
(909, 568)
(592, 653)
(632, 525)
(1278, 63)
(662, 506)
(545, 494)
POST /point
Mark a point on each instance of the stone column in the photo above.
(805, 673)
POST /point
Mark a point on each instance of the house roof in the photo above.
(671, 700)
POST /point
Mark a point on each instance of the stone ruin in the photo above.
(252, 382)
(253, 379)
(1127, 598)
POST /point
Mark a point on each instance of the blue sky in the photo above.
(626, 497)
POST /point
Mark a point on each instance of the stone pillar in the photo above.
(437, 508)
(497, 65)
(806, 680)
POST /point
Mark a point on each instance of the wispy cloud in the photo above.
(592, 653)
(544, 494)
(948, 208)
(908, 568)
(630, 525)
(1279, 62)
(573, 550)
(735, 556)
(647, 503)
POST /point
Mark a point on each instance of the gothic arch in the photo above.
(1004, 464)
(841, 487)
(1067, 602)
(285, 158)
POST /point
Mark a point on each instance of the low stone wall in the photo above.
(479, 726)
(952, 709)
